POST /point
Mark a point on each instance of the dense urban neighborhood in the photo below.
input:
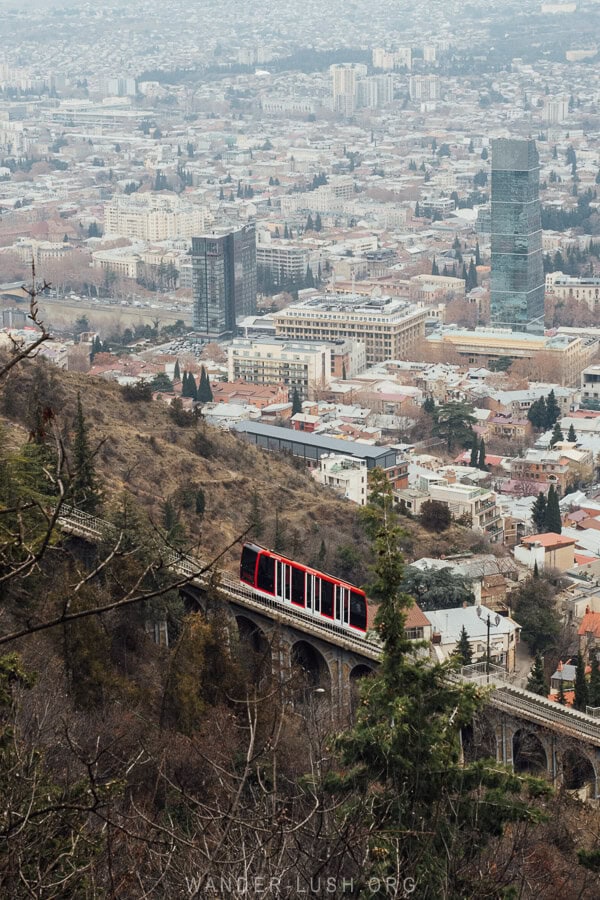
(300, 450)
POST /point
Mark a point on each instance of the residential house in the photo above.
(504, 634)
(547, 551)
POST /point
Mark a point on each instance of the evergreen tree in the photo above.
(572, 437)
(477, 254)
(255, 521)
(581, 686)
(474, 461)
(200, 502)
(186, 390)
(538, 513)
(318, 222)
(296, 402)
(552, 410)
(84, 485)
(278, 534)
(561, 693)
(434, 267)
(286, 232)
(309, 223)
(537, 413)
(553, 522)
(481, 460)
(557, 435)
(204, 394)
(471, 276)
(177, 371)
(536, 683)
(594, 685)
(402, 755)
(429, 405)
(463, 649)
(417, 210)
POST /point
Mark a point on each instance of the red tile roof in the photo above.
(416, 618)
(590, 622)
(550, 539)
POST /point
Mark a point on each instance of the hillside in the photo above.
(143, 452)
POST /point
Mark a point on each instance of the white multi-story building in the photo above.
(476, 504)
(285, 262)
(567, 287)
(299, 365)
(392, 59)
(346, 475)
(343, 86)
(424, 88)
(389, 328)
(151, 217)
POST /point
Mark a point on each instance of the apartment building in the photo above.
(433, 288)
(300, 366)
(392, 59)
(345, 475)
(583, 290)
(389, 328)
(477, 504)
(424, 88)
(150, 217)
(538, 469)
(285, 262)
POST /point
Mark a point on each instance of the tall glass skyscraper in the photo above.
(517, 288)
(223, 280)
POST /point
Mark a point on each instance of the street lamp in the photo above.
(488, 623)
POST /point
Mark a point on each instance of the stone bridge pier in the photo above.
(528, 747)
(308, 668)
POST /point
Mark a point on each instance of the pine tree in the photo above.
(552, 410)
(581, 686)
(402, 753)
(552, 521)
(572, 436)
(463, 649)
(594, 685)
(84, 485)
(538, 513)
(296, 403)
(477, 254)
(481, 459)
(434, 267)
(177, 371)
(200, 502)
(536, 683)
(278, 534)
(537, 413)
(309, 223)
(474, 461)
(204, 393)
(255, 521)
(318, 222)
(472, 276)
(557, 435)
(429, 405)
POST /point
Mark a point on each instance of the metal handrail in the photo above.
(84, 523)
(506, 697)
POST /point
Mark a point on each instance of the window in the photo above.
(326, 598)
(265, 579)
(248, 564)
(358, 611)
(298, 594)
